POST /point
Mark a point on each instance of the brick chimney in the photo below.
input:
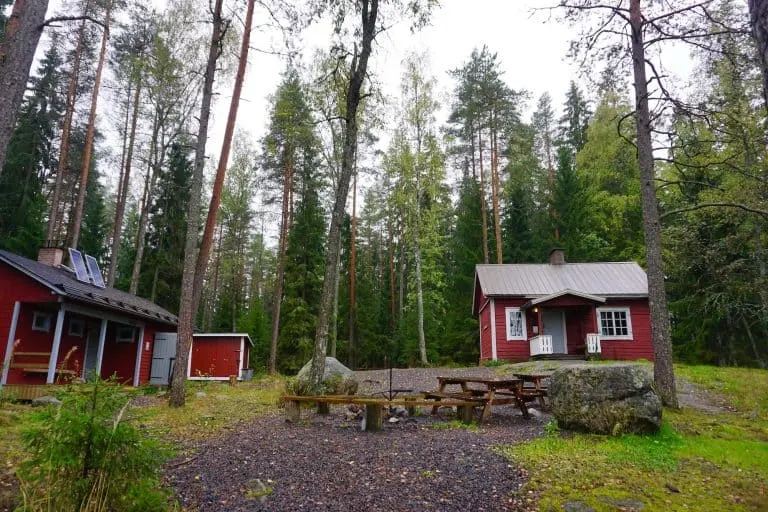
(557, 256)
(51, 255)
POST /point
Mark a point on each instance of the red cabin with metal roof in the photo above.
(62, 326)
(561, 310)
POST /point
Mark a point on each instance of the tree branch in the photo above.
(716, 205)
(57, 19)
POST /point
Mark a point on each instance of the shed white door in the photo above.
(554, 325)
(163, 357)
(91, 352)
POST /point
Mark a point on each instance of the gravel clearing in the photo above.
(327, 463)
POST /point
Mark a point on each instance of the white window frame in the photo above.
(125, 339)
(524, 336)
(48, 318)
(626, 311)
(80, 331)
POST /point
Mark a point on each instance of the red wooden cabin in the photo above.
(60, 327)
(559, 308)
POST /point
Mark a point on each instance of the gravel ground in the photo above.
(327, 463)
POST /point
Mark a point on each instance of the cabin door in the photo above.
(91, 351)
(554, 325)
(163, 356)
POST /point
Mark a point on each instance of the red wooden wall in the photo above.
(216, 356)
(641, 345)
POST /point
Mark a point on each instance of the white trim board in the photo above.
(493, 330)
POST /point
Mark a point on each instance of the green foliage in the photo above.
(334, 385)
(552, 429)
(87, 455)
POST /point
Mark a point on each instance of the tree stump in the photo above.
(372, 417)
(323, 408)
(465, 413)
(232, 380)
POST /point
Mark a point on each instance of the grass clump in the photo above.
(84, 455)
(456, 425)
(334, 385)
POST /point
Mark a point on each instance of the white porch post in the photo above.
(9, 346)
(100, 351)
(493, 329)
(137, 367)
(54, 359)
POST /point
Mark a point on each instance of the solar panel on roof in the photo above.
(95, 271)
(76, 258)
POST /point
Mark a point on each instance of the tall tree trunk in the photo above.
(358, 70)
(280, 277)
(353, 273)
(17, 51)
(333, 334)
(495, 189)
(663, 371)
(184, 342)
(758, 21)
(53, 218)
(153, 170)
(88, 151)
(187, 308)
(155, 276)
(122, 192)
(483, 207)
(391, 257)
(417, 260)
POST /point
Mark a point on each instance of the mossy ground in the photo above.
(718, 461)
(221, 407)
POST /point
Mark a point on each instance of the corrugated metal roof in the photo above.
(534, 280)
(66, 284)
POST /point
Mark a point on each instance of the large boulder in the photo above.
(605, 399)
(332, 368)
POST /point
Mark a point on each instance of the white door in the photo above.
(163, 356)
(91, 352)
(554, 325)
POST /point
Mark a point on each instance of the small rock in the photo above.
(350, 416)
(535, 413)
(672, 488)
(401, 412)
(576, 506)
(200, 394)
(45, 400)
(394, 419)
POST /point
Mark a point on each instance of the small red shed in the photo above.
(216, 356)
(559, 308)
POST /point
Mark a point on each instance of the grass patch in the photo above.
(456, 425)
(223, 405)
(716, 461)
(745, 388)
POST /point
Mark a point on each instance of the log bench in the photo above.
(373, 405)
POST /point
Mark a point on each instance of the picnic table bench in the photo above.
(493, 392)
(538, 390)
(373, 405)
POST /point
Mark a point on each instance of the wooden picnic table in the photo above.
(510, 389)
(540, 391)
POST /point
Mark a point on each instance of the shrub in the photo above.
(334, 385)
(85, 456)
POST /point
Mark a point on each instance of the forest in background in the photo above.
(428, 201)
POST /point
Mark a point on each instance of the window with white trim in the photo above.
(124, 334)
(615, 323)
(515, 324)
(76, 327)
(41, 321)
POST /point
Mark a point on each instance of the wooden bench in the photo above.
(373, 405)
(35, 367)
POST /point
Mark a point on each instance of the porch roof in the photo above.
(64, 284)
(547, 298)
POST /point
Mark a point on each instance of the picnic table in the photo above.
(538, 390)
(491, 392)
